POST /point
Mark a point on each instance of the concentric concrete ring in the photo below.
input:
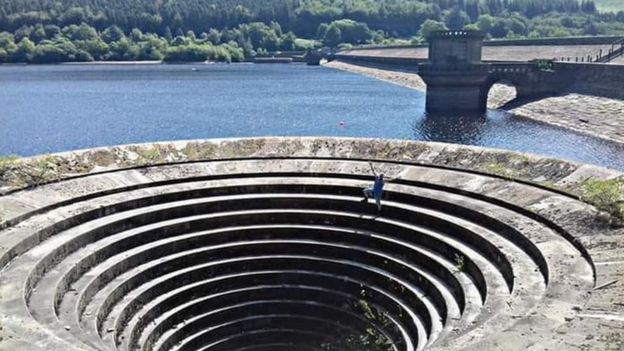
(265, 244)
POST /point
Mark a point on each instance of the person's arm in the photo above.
(372, 168)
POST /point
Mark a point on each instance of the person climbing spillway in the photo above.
(376, 190)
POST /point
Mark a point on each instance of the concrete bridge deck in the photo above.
(513, 50)
(494, 53)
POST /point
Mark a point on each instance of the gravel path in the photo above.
(596, 116)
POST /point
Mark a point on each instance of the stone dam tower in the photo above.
(455, 74)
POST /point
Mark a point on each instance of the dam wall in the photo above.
(597, 40)
(593, 79)
(572, 49)
(585, 78)
(556, 41)
(402, 64)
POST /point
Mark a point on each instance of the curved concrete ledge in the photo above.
(33, 171)
(264, 243)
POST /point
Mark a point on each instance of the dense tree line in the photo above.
(302, 17)
(50, 43)
(231, 30)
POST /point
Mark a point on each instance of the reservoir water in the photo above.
(46, 109)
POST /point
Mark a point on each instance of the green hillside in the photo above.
(44, 31)
(610, 5)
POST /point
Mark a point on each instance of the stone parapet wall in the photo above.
(594, 79)
(391, 63)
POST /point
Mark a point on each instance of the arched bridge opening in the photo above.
(498, 93)
(458, 80)
(507, 82)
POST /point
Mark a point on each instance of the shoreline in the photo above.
(88, 63)
(116, 63)
(132, 63)
(598, 117)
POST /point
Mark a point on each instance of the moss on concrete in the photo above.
(607, 196)
(199, 150)
(21, 173)
(7, 162)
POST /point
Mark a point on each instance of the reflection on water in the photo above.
(47, 109)
(466, 129)
(499, 129)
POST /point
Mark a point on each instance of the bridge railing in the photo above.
(489, 67)
(616, 50)
(511, 68)
(470, 68)
(456, 34)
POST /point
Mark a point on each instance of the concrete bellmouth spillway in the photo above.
(264, 244)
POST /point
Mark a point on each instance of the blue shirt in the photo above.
(378, 186)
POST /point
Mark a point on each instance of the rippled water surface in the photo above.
(47, 109)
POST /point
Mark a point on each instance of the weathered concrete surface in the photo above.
(28, 172)
(618, 61)
(597, 116)
(565, 314)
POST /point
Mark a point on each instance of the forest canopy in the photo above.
(232, 30)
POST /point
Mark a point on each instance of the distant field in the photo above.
(610, 5)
